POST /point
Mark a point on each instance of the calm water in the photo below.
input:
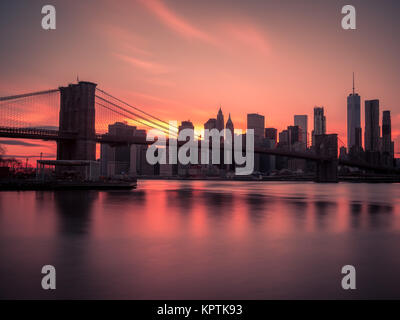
(203, 240)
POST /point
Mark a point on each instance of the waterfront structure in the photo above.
(115, 160)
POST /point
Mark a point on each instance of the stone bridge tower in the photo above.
(77, 120)
(326, 145)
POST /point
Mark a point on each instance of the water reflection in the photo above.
(74, 209)
(202, 240)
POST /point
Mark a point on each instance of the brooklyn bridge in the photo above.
(84, 112)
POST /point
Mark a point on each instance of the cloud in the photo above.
(146, 65)
(247, 35)
(174, 22)
(20, 143)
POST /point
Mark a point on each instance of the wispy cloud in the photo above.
(174, 21)
(248, 35)
(146, 65)
(20, 143)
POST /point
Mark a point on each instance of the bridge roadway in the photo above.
(53, 135)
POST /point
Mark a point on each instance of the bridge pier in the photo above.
(326, 145)
(327, 171)
(77, 119)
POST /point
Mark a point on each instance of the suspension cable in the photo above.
(28, 95)
(136, 108)
(136, 120)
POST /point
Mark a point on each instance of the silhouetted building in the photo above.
(187, 125)
(353, 120)
(271, 134)
(184, 169)
(372, 129)
(387, 144)
(220, 120)
(115, 160)
(257, 123)
(229, 125)
(343, 153)
(210, 124)
(358, 141)
(283, 138)
(294, 135)
(319, 123)
(326, 145)
(138, 162)
(302, 122)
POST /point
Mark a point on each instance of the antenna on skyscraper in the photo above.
(353, 83)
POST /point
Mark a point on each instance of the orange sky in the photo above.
(180, 60)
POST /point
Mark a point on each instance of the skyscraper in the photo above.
(387, 143)
(271, 134)
(229, 125)
(302, 122)
(187, 125)
(210, 124)
(386, 132)
(294, 134)
(353, 119)
(372, 129)
(220, 120)
(257, 123)
(319, 123)
(116, 159)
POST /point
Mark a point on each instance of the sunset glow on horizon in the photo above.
(182, 60)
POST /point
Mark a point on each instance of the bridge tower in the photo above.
(326, 145)
(77, 119)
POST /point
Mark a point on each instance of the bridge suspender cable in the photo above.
(28, 95)
(155, 125)
(136, 120)
(144, 112)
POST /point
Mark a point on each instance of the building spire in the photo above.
(353, 84)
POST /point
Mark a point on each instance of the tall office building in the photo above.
(387, 143)
(220, 120)
(353, 120)
(294, 134)
(115, 160)
(210, 124)
(257, 123)
(271, 134)
(386, 132)
(319, 123)
(229, 125)
(302, 122)
(283, 138)
(187, 125)
(372, 129)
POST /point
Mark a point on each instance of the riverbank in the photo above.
(26, 185)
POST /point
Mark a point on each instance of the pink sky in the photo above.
(181, 60)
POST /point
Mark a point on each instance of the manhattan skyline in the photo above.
(173, 60)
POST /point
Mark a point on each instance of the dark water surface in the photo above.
(203, 240)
